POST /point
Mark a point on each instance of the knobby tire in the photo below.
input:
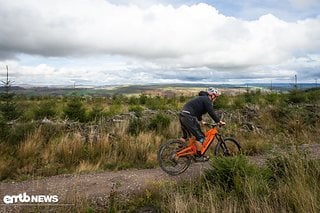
(170, 164)
(233, 147)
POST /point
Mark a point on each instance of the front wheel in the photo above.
(169, 161)
(228, 147)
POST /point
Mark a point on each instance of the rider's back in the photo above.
(199, 106)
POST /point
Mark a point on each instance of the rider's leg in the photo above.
(184, 129)
(200, 157)
(190, 125)
(198, 144)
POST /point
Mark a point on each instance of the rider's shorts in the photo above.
(190, 126)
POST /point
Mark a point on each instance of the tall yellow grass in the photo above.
(111, 147)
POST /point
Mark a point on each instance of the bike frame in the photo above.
(191, 148)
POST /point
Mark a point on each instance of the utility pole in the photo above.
(295, 82)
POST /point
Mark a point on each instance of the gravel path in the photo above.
(95, 187)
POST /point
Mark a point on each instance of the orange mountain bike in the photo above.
(175, 156)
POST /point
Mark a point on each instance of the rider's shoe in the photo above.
(202, 158)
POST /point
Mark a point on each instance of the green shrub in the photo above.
(133, 100)
(8, 164)
(311, 115)
(281, 112)
(137, 109)
(45, 109)
(234, 174)
(313, 95)
(272, 98)
(222, 102)
(17, 133)
(238, 102)
(8, 108)
(278, 166)
(96, 113)
(159, 122)
(183, 99)
(252, 97)
(293, 165)
(297, 96)
(75, 110)
(143, 99)
(4, 130)
(114, 109)
(136, 125)
(156, 103)
(50, 131)
(119, 99)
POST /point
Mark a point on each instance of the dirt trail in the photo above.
(96, 187)
(99, 186)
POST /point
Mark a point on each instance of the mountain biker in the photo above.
(191, 115)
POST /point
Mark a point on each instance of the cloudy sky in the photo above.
(102, 42)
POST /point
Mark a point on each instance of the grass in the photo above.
(287, 183)
(71, 152)
(234, 185)
(32, 149)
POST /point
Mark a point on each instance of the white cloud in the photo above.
(304, 3)
(153, 38)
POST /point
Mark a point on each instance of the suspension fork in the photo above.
(223, 144)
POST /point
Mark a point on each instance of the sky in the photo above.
(120, 42)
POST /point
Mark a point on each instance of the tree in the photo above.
(45, 109)
(75, 110)
(8, 108)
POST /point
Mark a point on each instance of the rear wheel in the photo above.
(169, 162)
(230, 147)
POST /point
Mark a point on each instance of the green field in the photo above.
(47, 135)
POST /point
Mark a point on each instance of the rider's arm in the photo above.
(211, 112)
(222, 123)
(203, 123)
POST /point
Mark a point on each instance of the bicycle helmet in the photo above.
(213, 91)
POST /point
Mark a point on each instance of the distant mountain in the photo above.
(108, 90)
(12, 88)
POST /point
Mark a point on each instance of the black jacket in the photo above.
(199, 106)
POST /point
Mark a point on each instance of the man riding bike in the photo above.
(191, 115)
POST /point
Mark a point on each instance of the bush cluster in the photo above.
(158, 123)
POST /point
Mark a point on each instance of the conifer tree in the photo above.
(8, 108)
